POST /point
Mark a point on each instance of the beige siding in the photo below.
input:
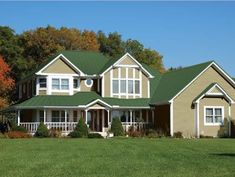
(42, 92)
(137, 73)
(144, 86)
(123, 72)
(59, 66)
(127, 61)
(213, 130)
(60, 93)
(106, 84)
(115, 72)
(130, 73)
(184, 119)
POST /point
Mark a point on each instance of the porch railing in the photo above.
(136, 125)
(64, 127)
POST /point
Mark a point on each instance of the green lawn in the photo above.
(117, 157)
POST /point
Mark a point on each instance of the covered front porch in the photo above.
(97, 119)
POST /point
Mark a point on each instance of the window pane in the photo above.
(218, 111)
(42, 82)
(130, 86)
(209, 111)
(209, 119)
(123, 86)
(64, 84)
(137, 87)
(56, 84)
(115, 86)
(218, 119)
(75, 83)
(41, 116)
(55, 116)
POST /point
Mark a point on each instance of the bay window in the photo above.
(126, 87)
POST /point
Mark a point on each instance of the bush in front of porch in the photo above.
(42, 131)
(80, 131)
(116, 127)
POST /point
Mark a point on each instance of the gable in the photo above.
(215, 90)
(127, 60)
(59, 66)
(97, 106)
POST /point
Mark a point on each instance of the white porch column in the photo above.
(44, 116)
(86, 116)
(18, 117)
(102, 120)
(65, 118)
(108, 118)
(131, 116)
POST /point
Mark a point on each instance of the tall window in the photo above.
(130, 86)
(115, 86)
(123, 86)
(41, 116)
(137, 87)
(60, 84)
(214, 115)
(75, 83)
(42, 82)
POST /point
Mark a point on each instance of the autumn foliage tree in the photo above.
(6, 82)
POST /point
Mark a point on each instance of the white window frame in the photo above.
(214, 123)
(127, 91)
(42, 88)
(60, 81)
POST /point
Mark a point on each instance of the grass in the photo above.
(117, 157)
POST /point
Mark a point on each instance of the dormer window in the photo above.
(89, 82)
(60, 84)
(42, 82)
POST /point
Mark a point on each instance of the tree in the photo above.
(12, 52)
(6, 82)
(112, 45)
(89, 41)
(116, 127)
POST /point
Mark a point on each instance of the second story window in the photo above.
(60, 84)
(75, 83)
(126, 87)
(42, 82)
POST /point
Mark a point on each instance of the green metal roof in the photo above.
(173, 82)
(80, 98)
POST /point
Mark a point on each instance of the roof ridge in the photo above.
(191, 66)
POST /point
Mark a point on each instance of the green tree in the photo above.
(116, 127)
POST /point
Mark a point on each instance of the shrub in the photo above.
(95, 135)
(116, 127)
(55, 133)
(17, 134)
(80, 131)
(42, 131)
(19, 128)
(2, 135)
(3, 127)
(152, 134)
(178, 135)
(135, 133)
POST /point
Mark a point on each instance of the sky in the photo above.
(185, 33)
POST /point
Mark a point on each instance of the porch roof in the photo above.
(80, 99)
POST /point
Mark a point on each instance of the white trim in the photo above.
(102, 82)
(98, 101)
(171, 119)
(111, 83)
(119, 82)
(208, 93)
(213, 107)
(65, 60)
(197, 119)
(127, 75)
(217, 67)
(119, 60)
(148, 88)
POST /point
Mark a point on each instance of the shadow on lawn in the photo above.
(224, 154)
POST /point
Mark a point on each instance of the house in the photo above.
(196, 100)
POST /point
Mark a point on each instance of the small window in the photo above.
(55, 84)
(115, 86)
(75, 83)
(137, 87)
(123, 86)
(42, 82)
(89, 82)
(214, 115)
(64, 84)
(130, 86)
